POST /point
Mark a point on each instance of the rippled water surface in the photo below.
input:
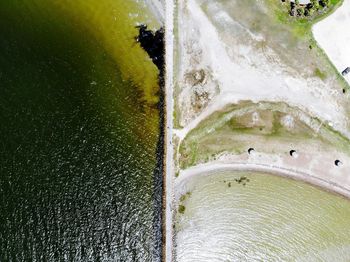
(78, 133)
(269, 219)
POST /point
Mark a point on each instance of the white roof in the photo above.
(303, 2)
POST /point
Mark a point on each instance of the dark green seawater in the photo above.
(77, 161)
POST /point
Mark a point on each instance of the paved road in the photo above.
(169, 175)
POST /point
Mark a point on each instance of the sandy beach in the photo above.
(338, 182)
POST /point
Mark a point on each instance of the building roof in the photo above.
(303, 2)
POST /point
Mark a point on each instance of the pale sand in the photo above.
(324, 180)
(240, 80)
(333, 36)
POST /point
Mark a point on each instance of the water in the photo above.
(269, 219)
(79, 131)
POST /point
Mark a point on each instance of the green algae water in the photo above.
(78, 133)
(269, 219)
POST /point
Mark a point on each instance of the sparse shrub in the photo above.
(324, 3)
(320, 74)
(315, 4)
(182, 209)
(299, 11)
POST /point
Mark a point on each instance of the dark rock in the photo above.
(153, 43)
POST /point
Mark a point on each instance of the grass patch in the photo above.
(181, 209)
(235, 135)
(300, 26)
(184, 197)
(320, 74)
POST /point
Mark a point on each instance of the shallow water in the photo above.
(79, 130)
(269, 219)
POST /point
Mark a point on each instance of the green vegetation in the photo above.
(185, 196)
(182, 209)
(312, 9)
(320, 74)
(302, 17)
(300, 29)
(233, 131)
